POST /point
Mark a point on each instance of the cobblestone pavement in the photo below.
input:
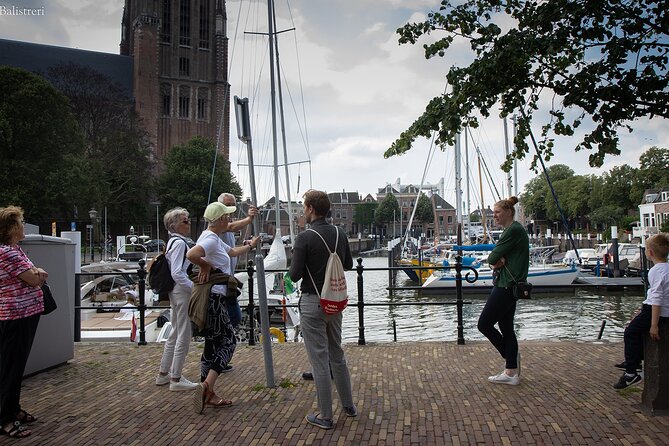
(425, 393)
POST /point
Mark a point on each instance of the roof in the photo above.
(344, 197)
(39, 58)
(442, 204)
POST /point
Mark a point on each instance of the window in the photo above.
(184, 66)
(166, 24)
(166, 96)
(184, 23)
(665, 196)
(184, 102)
(202, 103)
(450, 219)
(204, 25)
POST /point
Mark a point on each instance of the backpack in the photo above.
(160, 276)
(333, 296)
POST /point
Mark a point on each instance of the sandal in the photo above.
(200, 397)
(24, 417)
(217, 401)
(17, 430)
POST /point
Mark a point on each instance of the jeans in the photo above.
(500, 308)
(178, 341)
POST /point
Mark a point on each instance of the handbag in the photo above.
(521, 289)
(49, 302)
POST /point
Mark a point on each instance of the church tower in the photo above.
(180, 53)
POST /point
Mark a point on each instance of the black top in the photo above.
(309, 250)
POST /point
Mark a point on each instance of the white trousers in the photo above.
(178, 341)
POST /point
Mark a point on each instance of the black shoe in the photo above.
(227, 368)
(308, 376)
(626, 381)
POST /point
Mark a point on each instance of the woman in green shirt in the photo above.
(510, 259)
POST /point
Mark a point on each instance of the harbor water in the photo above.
(546, 317)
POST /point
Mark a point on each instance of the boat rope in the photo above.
(550, 185)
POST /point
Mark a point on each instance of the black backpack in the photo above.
(160, 277)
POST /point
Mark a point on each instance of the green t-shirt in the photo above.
(514, 245)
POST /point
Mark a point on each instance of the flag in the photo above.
(133, 330)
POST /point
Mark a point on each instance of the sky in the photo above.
(349, 90)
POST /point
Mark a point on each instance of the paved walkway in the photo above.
(424, 393)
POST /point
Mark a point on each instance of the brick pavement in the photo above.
(427, 393)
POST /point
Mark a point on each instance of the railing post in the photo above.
(391, 263)
(77, 311)
(361, 304)
(458, 288)
(250, 307)
(420, 264)
(141, 272)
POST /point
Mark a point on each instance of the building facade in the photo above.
(653, 212)
(180, 54)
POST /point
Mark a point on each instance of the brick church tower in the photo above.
(180, 54)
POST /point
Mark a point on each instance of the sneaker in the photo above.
(627, 380)
(319, 422)
(351, 411)
(161, 380)
(308, 376)
(503, 378)
(182, 384)
(227, 368)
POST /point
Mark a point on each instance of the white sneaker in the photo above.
(183, 384)
(161, 380)
(503, 378)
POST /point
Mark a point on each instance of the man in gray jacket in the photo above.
(322, 332)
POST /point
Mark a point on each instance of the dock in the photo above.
(427, 393)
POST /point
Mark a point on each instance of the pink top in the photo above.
(17, 298)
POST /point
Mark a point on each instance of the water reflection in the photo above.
(545, 317)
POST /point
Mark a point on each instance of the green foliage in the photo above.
(388, 209)
(187, 175)
(424, 212)
(363, 213)
(474, 218)
(665, 226)
(41, 147)
(599, 63)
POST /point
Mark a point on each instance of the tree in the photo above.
(116, 144)
(387, 211)
(654, 166)
(187, 175)
(537, 198)
(602, 62)
(43, 169)
(424, 212)
(363, 213)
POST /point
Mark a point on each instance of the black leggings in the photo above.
(500, 308)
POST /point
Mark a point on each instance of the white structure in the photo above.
(653, 212)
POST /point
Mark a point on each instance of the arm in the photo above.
(347, 261)
(35, 277)
(654, 323)
(196, 256)
(298, 259)
(235, 226)
(240, 250)
(505, 245)
(176, 257)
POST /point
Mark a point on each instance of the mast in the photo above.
(277, 201)
(283, 139)
(469, 210)
(458, 180)
(506, 148)
(515, 161)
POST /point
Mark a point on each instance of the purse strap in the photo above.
(510, 273)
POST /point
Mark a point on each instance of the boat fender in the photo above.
(277, 334)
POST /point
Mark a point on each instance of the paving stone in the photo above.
(426, 393)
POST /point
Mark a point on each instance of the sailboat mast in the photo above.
(277, 201)
(506, 148)
(515, 161)
(469, 203)
(458, 180)
(283, 138)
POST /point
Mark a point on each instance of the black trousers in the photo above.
(634, 333)
(500, 308)
(16, 340)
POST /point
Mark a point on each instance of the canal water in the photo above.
(546, 317)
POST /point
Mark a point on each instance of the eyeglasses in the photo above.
(185, 221)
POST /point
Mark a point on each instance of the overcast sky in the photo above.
(349, 91)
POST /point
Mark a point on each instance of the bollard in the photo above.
(655, 394)
(361, 304)
(394, 330)
(601, 329)
(141, 272)
(458, 288)
(77, 312)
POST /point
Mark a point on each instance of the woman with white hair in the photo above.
(177, 223)
(212, 255)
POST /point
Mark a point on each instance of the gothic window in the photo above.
(166, 25)
(204, 25)
(184, 66)
(203, 103)
(184, 102)
(184, 23)
(166, 95)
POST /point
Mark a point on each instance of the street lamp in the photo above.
(156, 204)
(93, 214)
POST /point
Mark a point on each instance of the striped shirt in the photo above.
(17, 298)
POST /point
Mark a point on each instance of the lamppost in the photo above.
(93, 214)
(157, 204)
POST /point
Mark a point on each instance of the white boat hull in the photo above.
(537, 276)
